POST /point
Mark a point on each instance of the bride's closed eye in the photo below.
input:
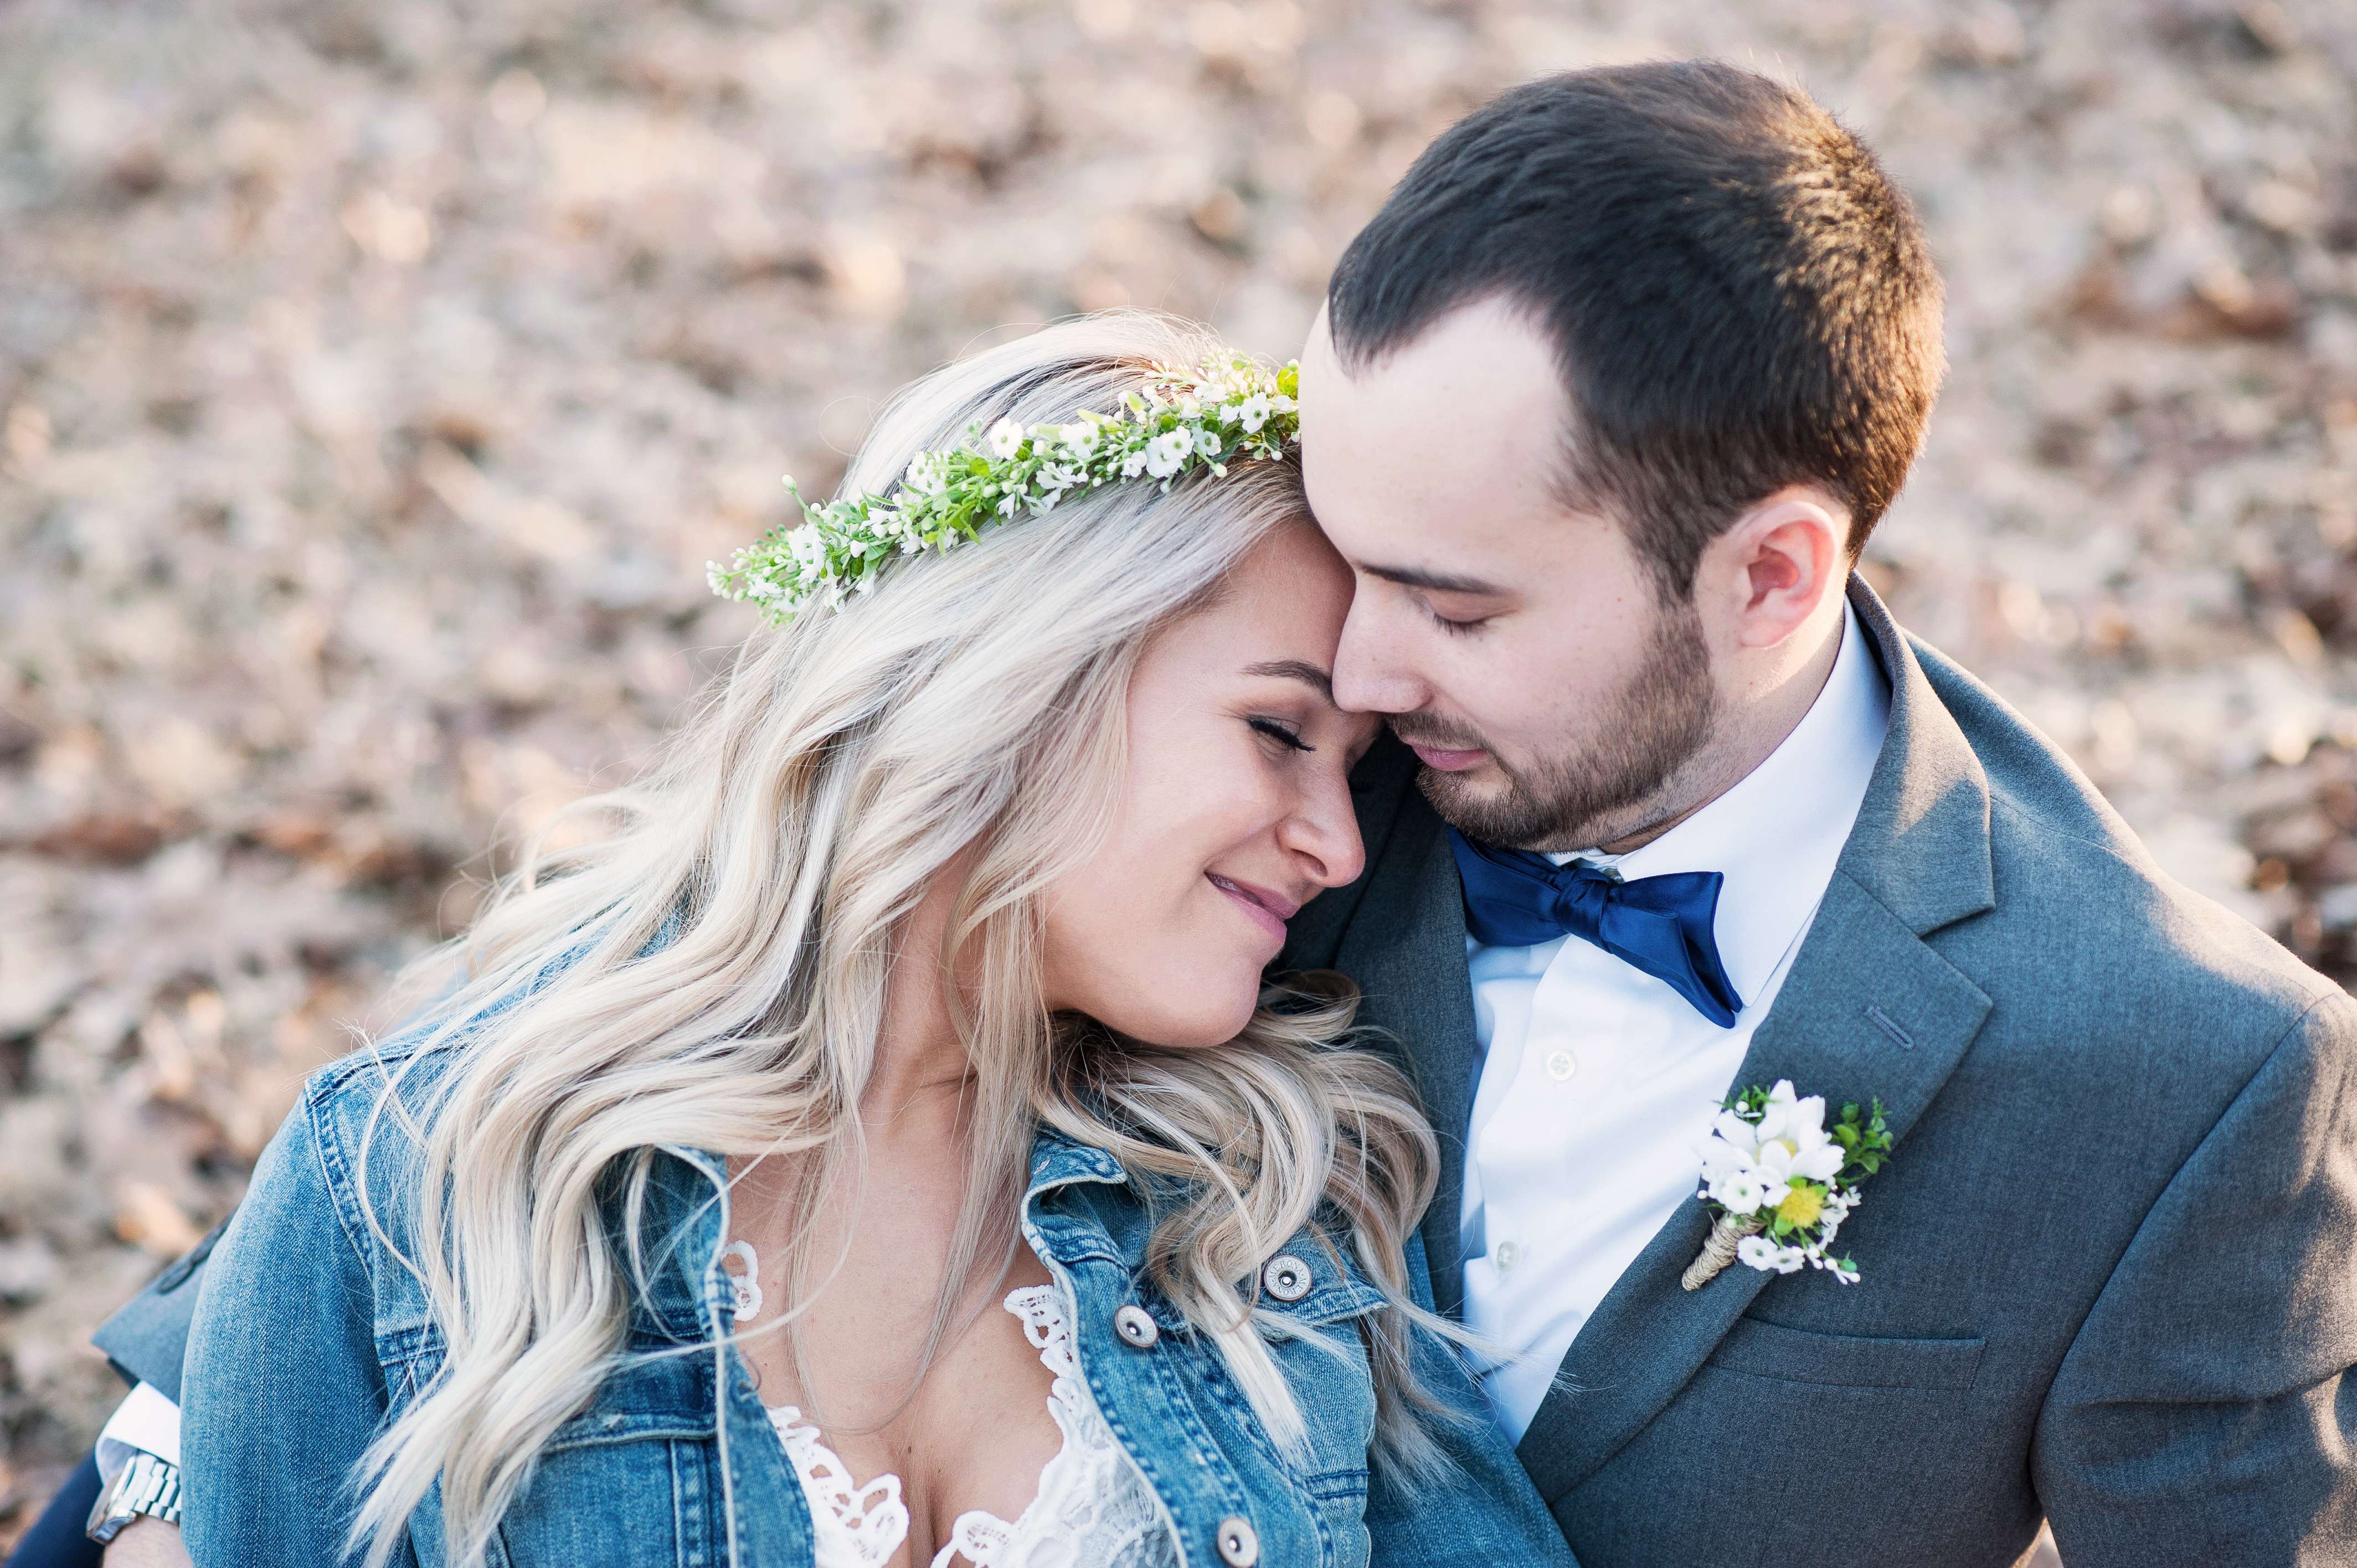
(1280, 732)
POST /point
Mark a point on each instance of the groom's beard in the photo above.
(1648, 730)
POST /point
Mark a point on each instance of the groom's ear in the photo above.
(1773, 571)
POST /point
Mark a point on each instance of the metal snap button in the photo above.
(1286, 1277)
(1239, 1542)
(1136, 1327)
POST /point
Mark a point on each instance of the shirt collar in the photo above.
(1777, 833)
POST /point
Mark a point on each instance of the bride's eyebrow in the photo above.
(1308, 674)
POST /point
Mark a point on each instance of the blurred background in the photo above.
(376, 377)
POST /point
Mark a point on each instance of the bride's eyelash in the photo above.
(1276, 731)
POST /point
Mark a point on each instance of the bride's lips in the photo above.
(1442, 761)
(1268, 910)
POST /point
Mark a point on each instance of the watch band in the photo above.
(145, 1484)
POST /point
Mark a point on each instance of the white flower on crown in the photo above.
(1253, 412)
(1166, 453)
(1080, 438)
(1207, 443)
(1006, 439)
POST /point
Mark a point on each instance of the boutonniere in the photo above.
(1779, 1182)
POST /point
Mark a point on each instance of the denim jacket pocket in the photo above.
(642, 1452)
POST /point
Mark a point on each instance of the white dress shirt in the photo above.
(1598, 1082)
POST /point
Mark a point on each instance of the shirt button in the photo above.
(1239, 1543)
(1561, 1066)
(1506, 1257)
(1136, 1327)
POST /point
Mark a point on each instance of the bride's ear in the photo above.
(1778, 564)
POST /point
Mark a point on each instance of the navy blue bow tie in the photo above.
(1662, 925)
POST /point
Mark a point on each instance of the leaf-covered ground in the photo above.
(378, 375)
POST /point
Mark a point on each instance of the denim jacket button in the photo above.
(1286, 1277)
(1136, 1327)
(1239, 1542)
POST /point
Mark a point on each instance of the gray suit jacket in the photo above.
(2110, 1274)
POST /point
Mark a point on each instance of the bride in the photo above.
(878, 1147)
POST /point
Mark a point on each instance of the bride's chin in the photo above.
(1192, 1027)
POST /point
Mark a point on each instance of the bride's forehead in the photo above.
(1293, 584)
(1279, 614)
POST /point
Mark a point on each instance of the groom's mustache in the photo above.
(1440, 734)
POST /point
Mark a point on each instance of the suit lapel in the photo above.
(1868, 1010)
(1403, 941)
(1860, 975)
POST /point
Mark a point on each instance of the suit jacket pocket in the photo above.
(1846, 1360)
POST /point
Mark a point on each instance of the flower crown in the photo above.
(1226, 410)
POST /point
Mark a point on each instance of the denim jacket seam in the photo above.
(1203, 1448)
(1204, 1457)
(335, 1173)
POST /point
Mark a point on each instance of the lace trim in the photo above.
(1091, 1507)
(745, 1286)
(856, 1526)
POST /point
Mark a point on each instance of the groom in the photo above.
(1601, 407)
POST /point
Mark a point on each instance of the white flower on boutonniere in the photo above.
(1779, 1182)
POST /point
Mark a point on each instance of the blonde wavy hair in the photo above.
(966, 720)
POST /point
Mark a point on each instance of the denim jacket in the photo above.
(309, 1333)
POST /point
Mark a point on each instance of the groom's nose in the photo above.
(1370, 674)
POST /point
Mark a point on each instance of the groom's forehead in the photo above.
(1466, 416)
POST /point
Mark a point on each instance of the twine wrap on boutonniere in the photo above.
(1779, 1182)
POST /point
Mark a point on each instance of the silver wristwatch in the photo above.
(145, 1484)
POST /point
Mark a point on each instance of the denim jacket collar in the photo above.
(688, 1212)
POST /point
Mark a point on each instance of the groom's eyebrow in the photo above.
(1434, 582)
(1299, 670)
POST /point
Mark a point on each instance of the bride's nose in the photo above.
(1322, 835)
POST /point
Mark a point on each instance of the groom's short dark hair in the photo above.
(1739, 297)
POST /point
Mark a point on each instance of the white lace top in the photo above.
(1092, 1510)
